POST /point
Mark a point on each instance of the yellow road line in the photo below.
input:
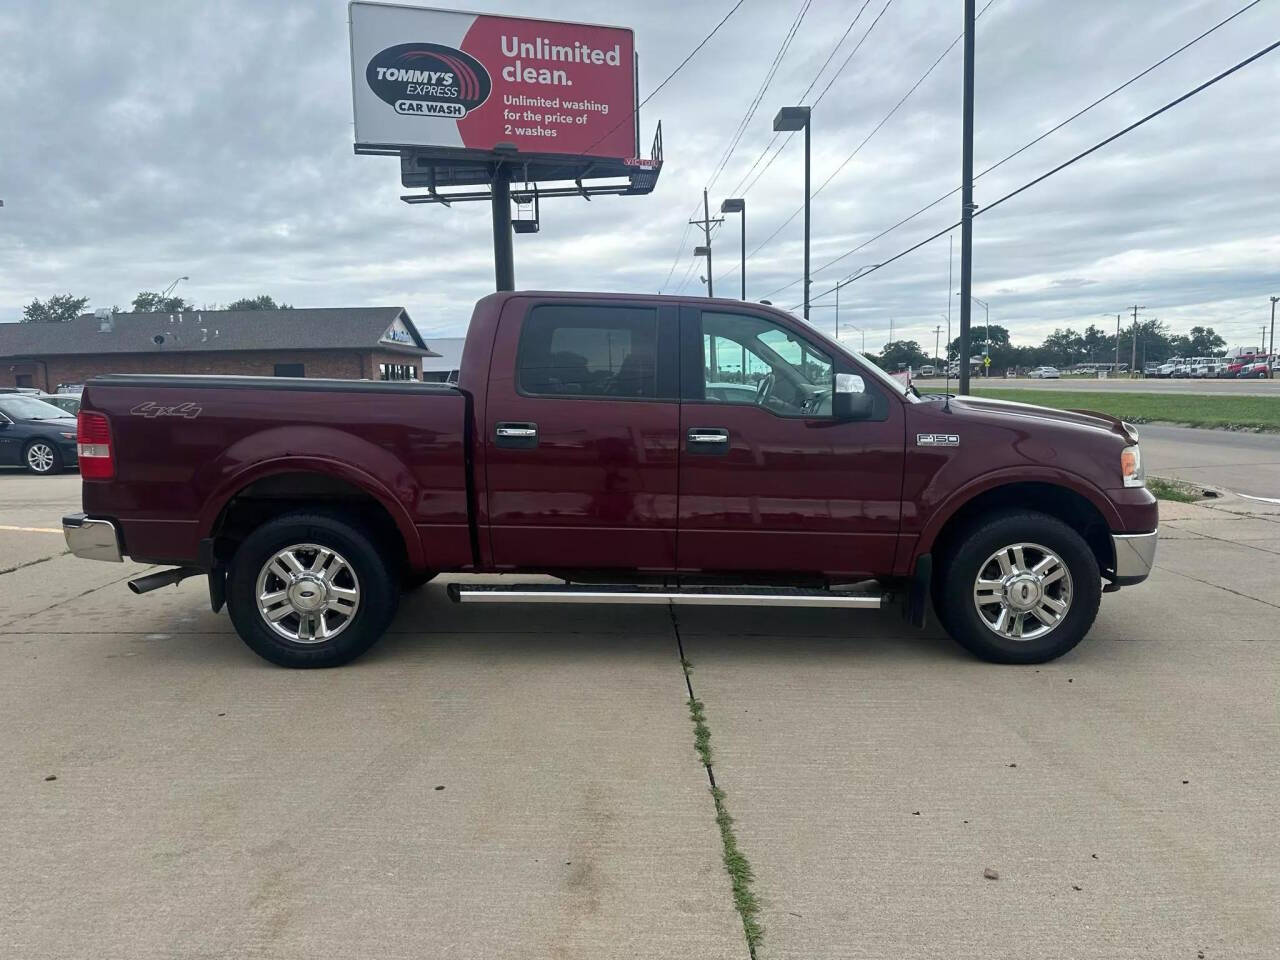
(29, 529)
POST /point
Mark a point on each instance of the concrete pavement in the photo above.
(521, 787)
(1121, 793)
(209, 804)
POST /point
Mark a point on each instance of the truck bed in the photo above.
(184, 446)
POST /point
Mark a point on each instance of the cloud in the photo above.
(147, 140)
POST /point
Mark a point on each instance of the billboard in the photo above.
(445, 79)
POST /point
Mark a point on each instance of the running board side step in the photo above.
(693, 596)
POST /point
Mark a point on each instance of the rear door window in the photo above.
(589, 351)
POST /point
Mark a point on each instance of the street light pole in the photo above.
(791, 119)
(1273, 334)
(169, 289)
(986, 340)
(739, 205)
(966, 196)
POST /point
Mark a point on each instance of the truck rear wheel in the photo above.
(1019, 587)
(310, 590)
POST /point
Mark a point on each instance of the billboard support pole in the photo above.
(504, 264)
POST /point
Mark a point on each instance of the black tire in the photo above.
(375, 585)
(971, 550)
(52, 456)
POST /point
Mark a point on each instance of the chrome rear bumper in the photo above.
(1135, 556)
(92, 539)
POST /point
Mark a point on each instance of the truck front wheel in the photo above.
(310, 590)
(1019, 587)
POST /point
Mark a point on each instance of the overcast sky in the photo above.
(148, 139)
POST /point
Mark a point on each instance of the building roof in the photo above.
(327, 328)
(449, 354)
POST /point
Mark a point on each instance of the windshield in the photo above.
(898, 386)
(17, 407)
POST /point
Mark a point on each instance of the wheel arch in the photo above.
(1077, 504)
(269, 488)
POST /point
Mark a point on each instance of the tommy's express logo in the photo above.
(151, 410)
(429, 80)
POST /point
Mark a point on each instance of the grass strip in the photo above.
(1192, 410)
(736, 863)
(1174, 490)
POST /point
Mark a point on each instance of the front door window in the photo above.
(751, 360)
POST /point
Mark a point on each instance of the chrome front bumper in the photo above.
(92, 539)
(1135, 556)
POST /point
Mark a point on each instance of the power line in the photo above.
(774, 139)
(679, 250)
(851, 53)
(835, 76)
(680, 66)
(876, 129)
(764, 87)
(1030, 143)
(1062, 166)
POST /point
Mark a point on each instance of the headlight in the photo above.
(1131, 467)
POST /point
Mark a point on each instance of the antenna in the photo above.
(946, 403)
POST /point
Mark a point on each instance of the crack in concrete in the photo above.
(736, 864)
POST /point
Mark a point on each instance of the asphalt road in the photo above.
(521, 781)
(1259, 388)
(1247, 463)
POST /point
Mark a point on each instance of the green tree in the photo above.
(263, 301)
(978, 339)
(150, 302)
(1204, 342)
(1097, 344)
(60, 308)
(1063, 347)
(898, 354)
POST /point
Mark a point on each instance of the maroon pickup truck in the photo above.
(639, 449)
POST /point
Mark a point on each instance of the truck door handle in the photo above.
(713, 440)
(515, 435)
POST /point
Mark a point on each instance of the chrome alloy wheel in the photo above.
(308, 593)
(1023, 591)
(40, 457)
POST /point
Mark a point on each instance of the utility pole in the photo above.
(1273, 331)
(705, 223)
(1133, 340)
(891, 330)
(937, 330)
(966, 197)
(1116, 367)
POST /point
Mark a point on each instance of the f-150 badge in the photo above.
(937, 440)
(151, 410)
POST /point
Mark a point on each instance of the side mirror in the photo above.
(851, 401)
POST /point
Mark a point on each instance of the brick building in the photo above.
(374, 343)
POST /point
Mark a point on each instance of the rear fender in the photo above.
(240, 467)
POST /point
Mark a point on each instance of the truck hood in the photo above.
(1087, 419)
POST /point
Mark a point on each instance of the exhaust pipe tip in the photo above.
(154, 581)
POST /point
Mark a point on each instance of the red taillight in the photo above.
(93, 446)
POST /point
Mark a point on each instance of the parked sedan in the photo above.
(35, 434)
(1045, 373)
(69, 403)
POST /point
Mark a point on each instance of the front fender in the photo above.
(1009, 475)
